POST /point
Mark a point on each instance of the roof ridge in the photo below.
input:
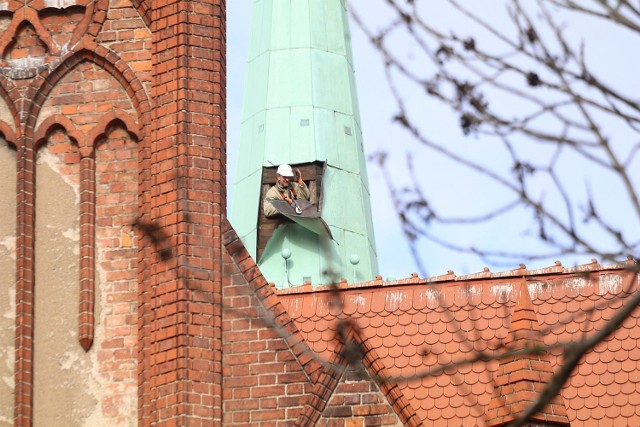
(451, 278)
(521, 377)
(265, 292)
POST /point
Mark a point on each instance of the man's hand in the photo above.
(298, 176)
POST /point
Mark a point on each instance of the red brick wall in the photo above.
(117, 267)
(358, 402)
(187, 200)
(264, 383)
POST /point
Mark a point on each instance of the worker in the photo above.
(284, 189)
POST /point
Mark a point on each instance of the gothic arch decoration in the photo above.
(43, 85)
(50, 124)
(31, 137)
(88, 207)
(107, 121)
(47, 24)
(86, 317)
(87, 144)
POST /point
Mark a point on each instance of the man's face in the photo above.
(284, 181)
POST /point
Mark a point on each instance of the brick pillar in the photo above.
(25, 253)
(187, 203)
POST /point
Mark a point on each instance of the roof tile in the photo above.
(328, 335)
(449, 412)
(614, 345)
(401, 361)
(383, 351)
(391, 320)
(404, 341)
(629, 387)
(576, 403)
(615, 387)
(394, 351)
(615, 366)
(322, 306)
(364, 304)
(440, 404)
(463, 413)
(611, 412)
(634, 332)
(569, 393)
(583, 415)
(599, 390)
(605, 357)
(377, 321)
(308, 306)
(405, 319)
(384, 331)
(378, 301)
(591, 402)
(350, 305)
(435, 413)
(627, 411)
(416, 360)
(419, 299)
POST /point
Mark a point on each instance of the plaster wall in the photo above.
(7, 279)
(62, 370)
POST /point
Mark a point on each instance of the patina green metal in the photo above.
(300, 105)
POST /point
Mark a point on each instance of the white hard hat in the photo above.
(285, 170)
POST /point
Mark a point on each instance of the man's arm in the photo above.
(302, 191)
(267, 208)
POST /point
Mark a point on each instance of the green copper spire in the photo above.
(301, 108)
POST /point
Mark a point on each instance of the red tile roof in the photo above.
(416, 326)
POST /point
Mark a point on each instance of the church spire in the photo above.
(301, 108)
